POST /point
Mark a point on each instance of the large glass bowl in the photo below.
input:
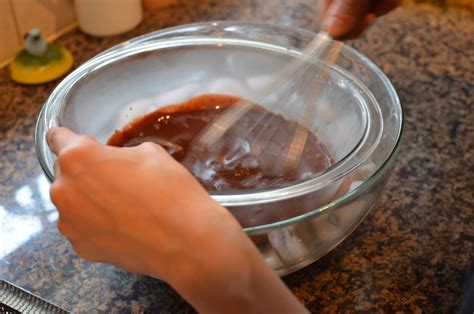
(359, 119)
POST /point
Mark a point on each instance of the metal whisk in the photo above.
(293, 90)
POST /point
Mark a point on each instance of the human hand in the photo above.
(139, 209)
(118, 202)
(349, 18)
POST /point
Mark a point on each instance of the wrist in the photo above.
(220, 276)
(236, 280)
(218, 261)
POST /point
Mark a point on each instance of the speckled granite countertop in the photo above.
(410, 254)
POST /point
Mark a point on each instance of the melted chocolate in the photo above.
(228, 164)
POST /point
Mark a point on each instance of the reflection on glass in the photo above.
(43, 189)
(16, 230)
(26, 217)
(24, 197)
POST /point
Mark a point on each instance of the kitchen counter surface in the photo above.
(411, 253)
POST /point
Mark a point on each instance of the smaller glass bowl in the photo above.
(359, 119)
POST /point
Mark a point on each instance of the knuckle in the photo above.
(149, 147)
(70, 153)
(83, 250)
(70, 157)
(80, 145)
(87, 139)
(64, 229)
(67, 230)
(60, 226)
(55, 192)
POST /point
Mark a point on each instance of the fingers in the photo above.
(349, 18)
(325, 5)
(60, 138)
(383, 7)
(359, 29)
(343, 16)
(73, 150)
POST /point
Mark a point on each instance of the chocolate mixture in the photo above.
(229, 163)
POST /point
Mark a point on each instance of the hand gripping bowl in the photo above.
(359, 119)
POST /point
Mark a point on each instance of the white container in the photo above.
(108, 17)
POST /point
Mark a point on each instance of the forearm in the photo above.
(243, 285)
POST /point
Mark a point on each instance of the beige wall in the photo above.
(53, 17)
(50, 16)
(9, 36)
(18, 16)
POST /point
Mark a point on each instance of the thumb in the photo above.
(59, 139)
(342, 16)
